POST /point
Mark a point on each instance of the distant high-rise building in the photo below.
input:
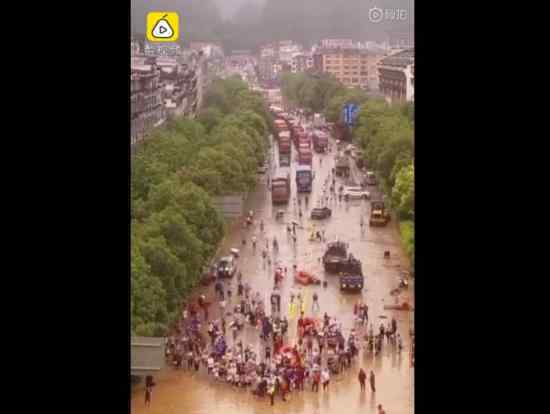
(302, 62)
(337, 43)
(145, 100)
(353, 67)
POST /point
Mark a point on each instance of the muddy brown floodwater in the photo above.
(182, 392)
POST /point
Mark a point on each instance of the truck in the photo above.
(284, 149)
(351, 275)
(320, 141)
(342, 166)
(280, 188)
(284, 160)
(379, 217)
(341, 132)
(305, 157)
(358, 156)
(280, 126)
(284, 142)
(304, 141)
(353, 280)
(297, 135)
(304, 178)
(335, 253)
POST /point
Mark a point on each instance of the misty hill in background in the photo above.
(246, 24)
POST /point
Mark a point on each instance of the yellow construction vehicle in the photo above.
(379, 217)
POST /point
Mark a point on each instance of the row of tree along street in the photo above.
(384, 132)
(175, 228)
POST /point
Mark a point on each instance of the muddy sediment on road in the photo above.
(179, 391)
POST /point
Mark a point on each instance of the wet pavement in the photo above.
(193, 393)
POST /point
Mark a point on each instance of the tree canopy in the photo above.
(175, 174)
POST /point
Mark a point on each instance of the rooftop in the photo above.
(401, 59)
(348, 52)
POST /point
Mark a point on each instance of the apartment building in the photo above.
(146, 106)
(287, 50)
(353, 67)
(396, 73)
(337, 43)
(301, 62)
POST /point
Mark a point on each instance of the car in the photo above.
(321, 213)
(226, 267)
(262, 169)
(355, 193)
(370, 178)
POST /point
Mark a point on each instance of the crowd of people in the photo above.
(275, 367)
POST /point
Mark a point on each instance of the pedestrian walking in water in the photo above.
(240, 289)
(325, 377)
(254, 242)
(381, 410)
(219, 289)
(362, 379)
(271, 393)
(315, 303)
(372, 381)
(149, 384)
(316, 381)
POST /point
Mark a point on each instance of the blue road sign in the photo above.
(350, 112)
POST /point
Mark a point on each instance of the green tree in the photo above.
(148, 298)
(403, 192)
(210, 117)
(166, 267)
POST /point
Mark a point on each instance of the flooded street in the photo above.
(185, 392)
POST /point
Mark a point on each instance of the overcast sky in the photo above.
(229, 7)
(306, 18)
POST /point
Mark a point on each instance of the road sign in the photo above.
(350, 112)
